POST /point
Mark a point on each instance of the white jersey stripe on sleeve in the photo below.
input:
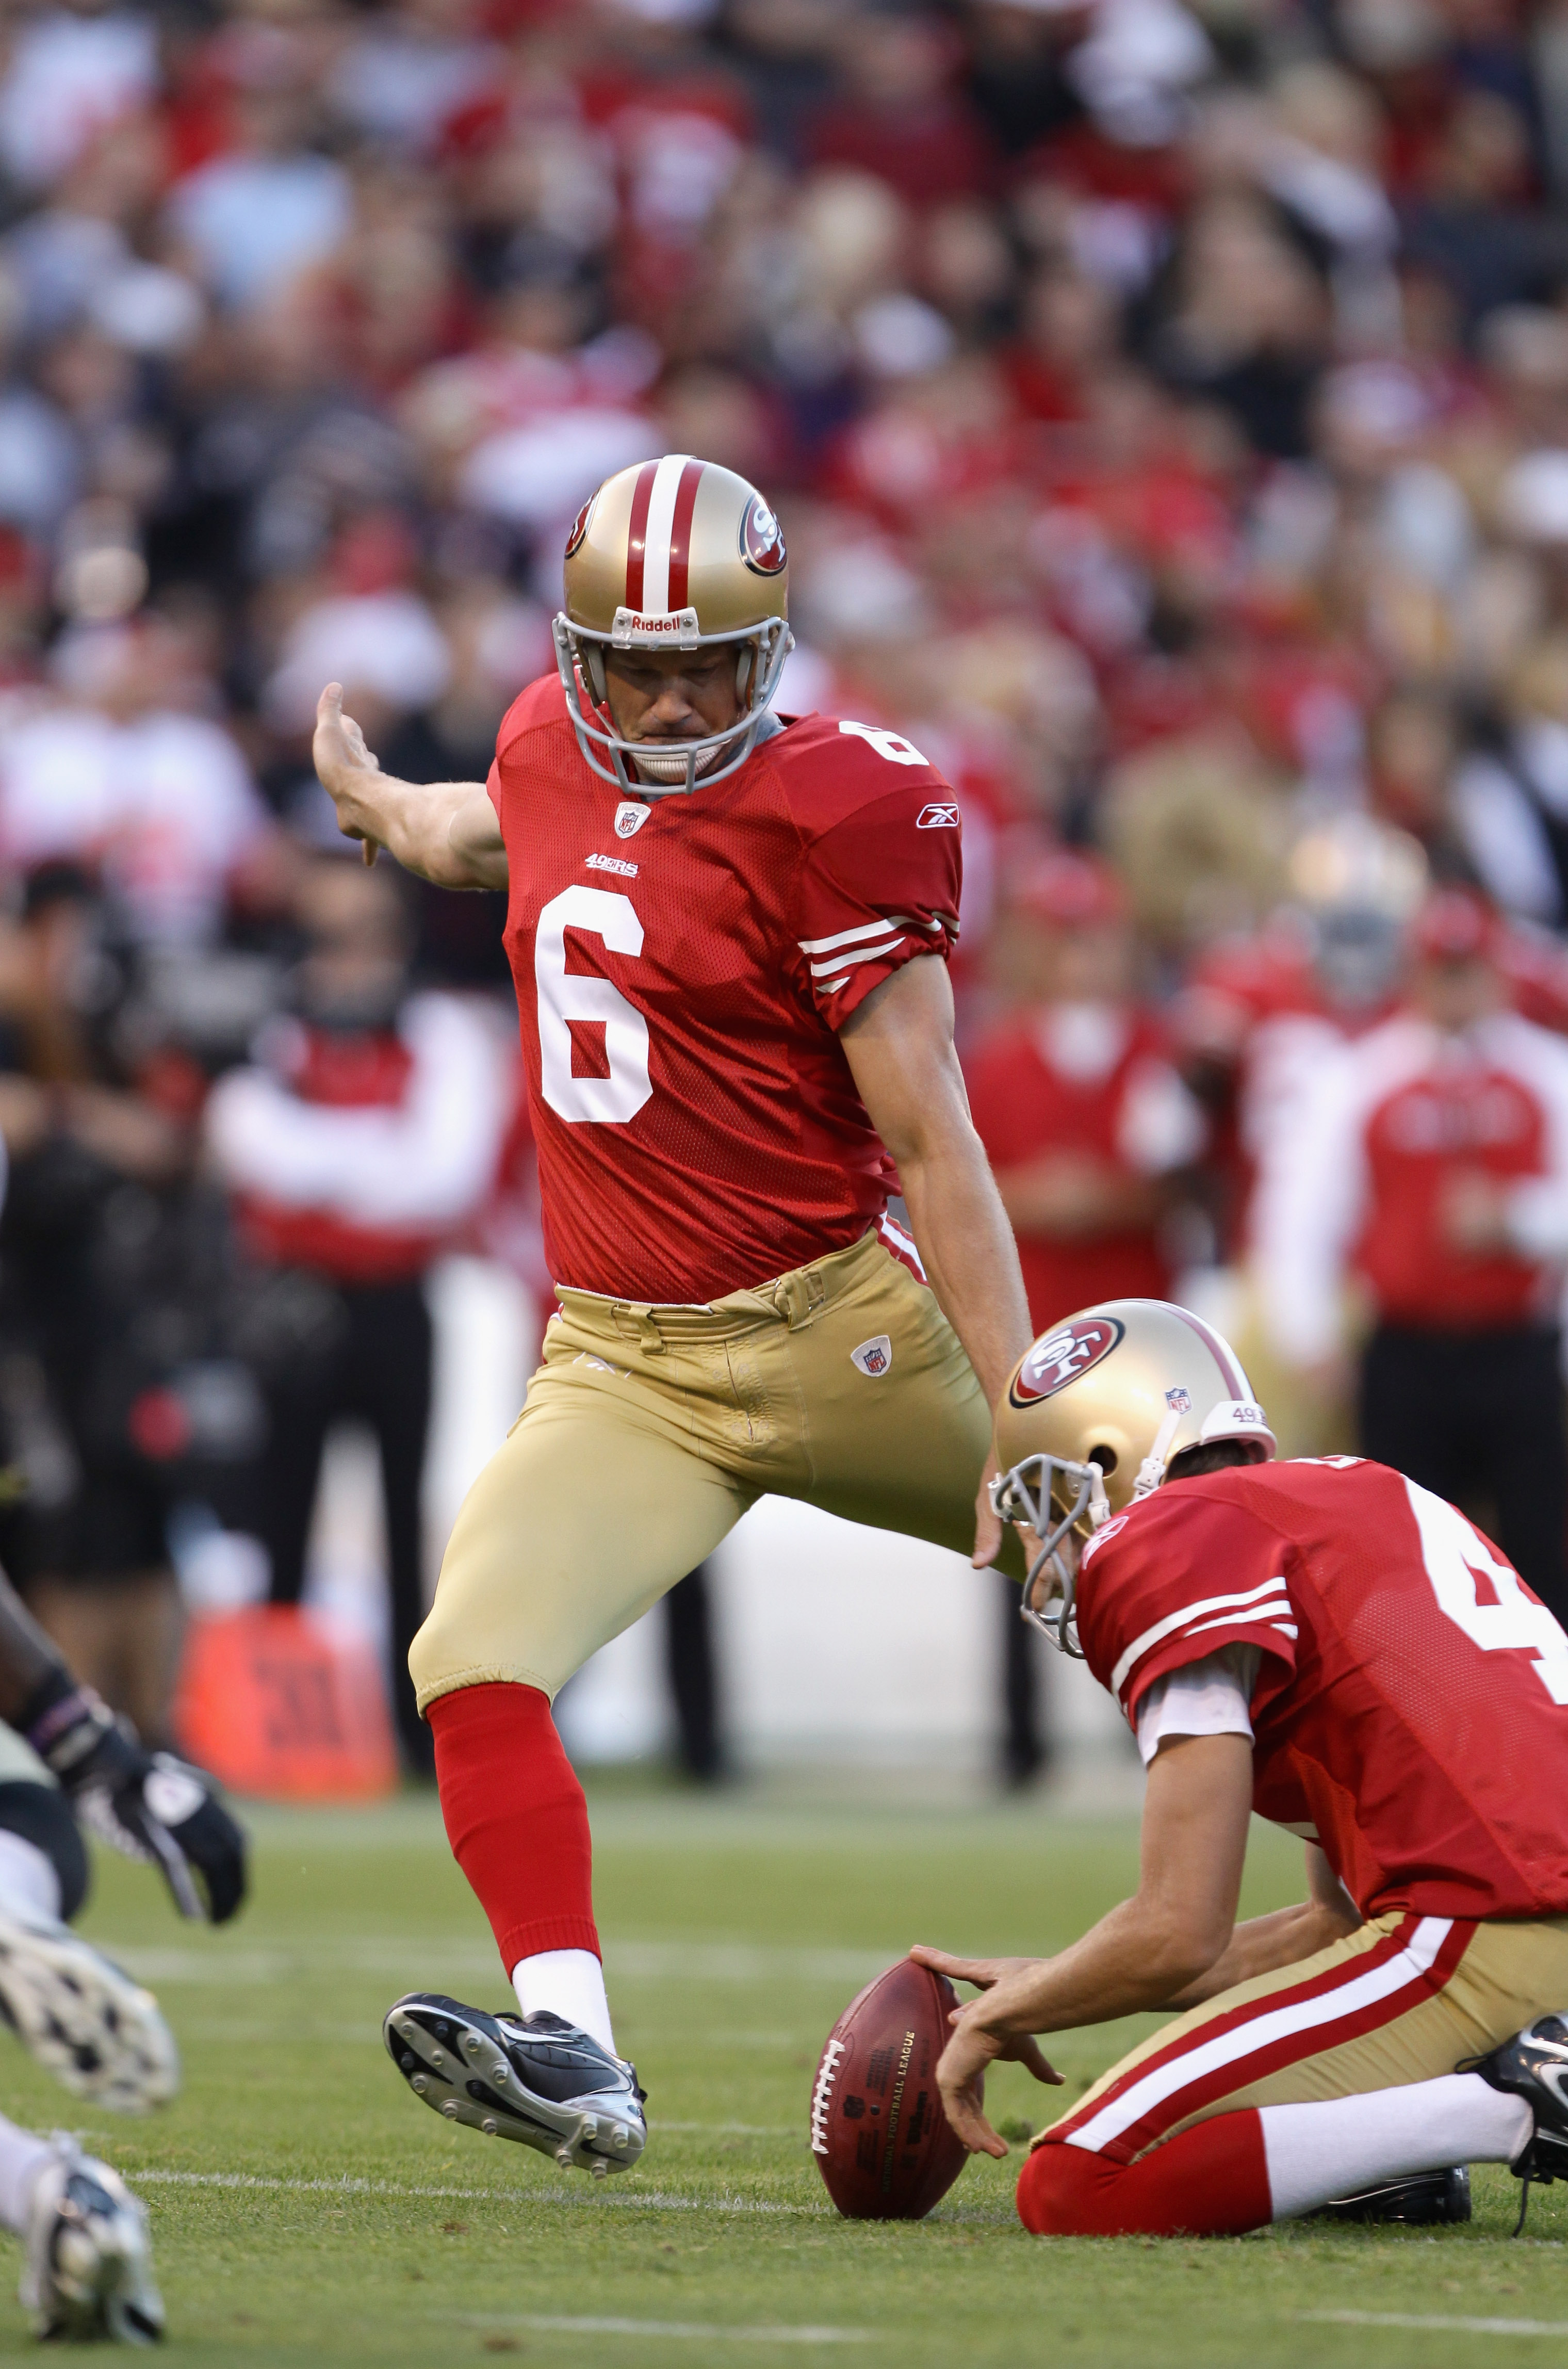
(1407, 1968)
(1173, 1621)
(659, 531)
(847, 962)
(1269, 1616)
(853, 937)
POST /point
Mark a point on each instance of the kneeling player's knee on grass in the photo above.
(1209, 2181)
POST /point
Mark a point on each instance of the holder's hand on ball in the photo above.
(982, 2035)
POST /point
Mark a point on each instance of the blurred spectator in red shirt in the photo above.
(1429, 1163)
(1087, 1127)
(1081, 1113)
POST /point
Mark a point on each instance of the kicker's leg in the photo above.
(592, 1508)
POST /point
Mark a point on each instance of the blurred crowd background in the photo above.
(1167, 405)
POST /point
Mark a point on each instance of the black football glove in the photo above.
(149, 1806)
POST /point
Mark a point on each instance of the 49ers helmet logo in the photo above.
(761, 539)
(1062, 1355)
(579, 527)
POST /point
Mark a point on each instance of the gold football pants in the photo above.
(1403, 1999)
(648, 1432)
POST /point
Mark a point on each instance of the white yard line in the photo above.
(1438, 2321)
(404, 1956)
(688, 2332)
(649, 2200)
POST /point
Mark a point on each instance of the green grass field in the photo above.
(305, 2209)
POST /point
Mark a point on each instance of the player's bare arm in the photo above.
(1265, 1944)
(1144, 1954)
(898, 1044)
(445, 831)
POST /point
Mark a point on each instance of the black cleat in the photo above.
(1533, 2065)
(1425, 2198)
(537, 2079)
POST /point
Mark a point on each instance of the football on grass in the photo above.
(881, 2140)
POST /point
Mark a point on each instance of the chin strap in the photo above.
(1151, 1471)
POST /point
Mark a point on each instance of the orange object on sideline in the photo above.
(277, 1704)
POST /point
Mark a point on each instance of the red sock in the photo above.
(1209, 2182)
(516, 1818)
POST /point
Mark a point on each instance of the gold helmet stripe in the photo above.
(660, 535)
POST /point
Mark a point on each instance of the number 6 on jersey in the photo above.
(566, 996)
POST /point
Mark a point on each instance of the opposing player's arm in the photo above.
(446, 831)
(148, 1805)
(1152, 1949)
(898, 1044)
(26, 1656)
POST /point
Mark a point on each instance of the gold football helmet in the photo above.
(1094, 1415)
(672, 554)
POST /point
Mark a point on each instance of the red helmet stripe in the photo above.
(681, 531)
(637, 533)
(1218, 1350)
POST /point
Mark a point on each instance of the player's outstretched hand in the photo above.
(147, 1806)
(171, 1816)
(340, 754)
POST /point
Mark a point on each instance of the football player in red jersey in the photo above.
(728, 932)
(1325, 1643)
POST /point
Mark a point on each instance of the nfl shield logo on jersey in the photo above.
(873, 1357)
(630, 817)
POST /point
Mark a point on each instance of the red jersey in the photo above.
(1362, 1171)
(1084, 1080)
(1410, 1708)
(1255, 1010)
(682, 966)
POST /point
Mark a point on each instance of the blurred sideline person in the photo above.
(365, 1137)
(1087, 1127)
(94, 1208)
(1331, 1646)
(1430, 1163)
(1255, 1019)
(728, 932)
(89, 2268)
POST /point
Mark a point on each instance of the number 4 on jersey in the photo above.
(1485, 1598)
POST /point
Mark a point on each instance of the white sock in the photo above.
(570, 1983)
(22, 2156)
(1333, 2148)
(29, 1883)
